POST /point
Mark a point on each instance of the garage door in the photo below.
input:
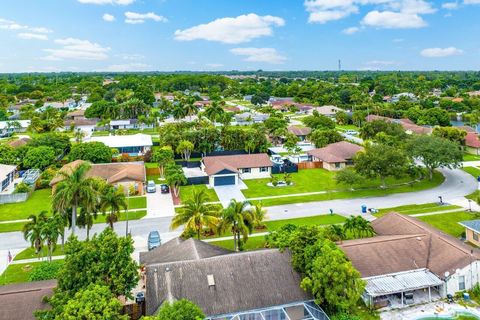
(224, 181)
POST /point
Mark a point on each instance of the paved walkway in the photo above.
(159, 205)
(226, 193)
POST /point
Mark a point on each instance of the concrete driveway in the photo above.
(227, 193)
(159, 205)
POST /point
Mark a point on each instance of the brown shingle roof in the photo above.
(110, 172)
(407, 124)
(243, 281)
(19, 301)
(336, 152)
(299, 131)
(471, 140)
(405, 243)
(19, 142)
(233, 163)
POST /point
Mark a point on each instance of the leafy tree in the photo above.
(240, 218)
(450, 133)
(112, 201)
(51, 230)
(381, 161)
(144, 94)
(180, 310)
(318, 121)
(435, 116)
(175, 177)
(95, 152)
(260, 98)
(214, 112)
(290, 143)
(163, 156)
(342, 117)
(371, 129)
(435, 152)
(196, 214)
(348, 177)
(94, 302)
(322, 138)
(39, 157)
(8, 155)
(185, 148)
(75, 190)
(60, 142)
(32, 230)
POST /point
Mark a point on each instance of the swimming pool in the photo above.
(456, 315)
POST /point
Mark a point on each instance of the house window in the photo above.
(461, 283)
(475, 236)
(264, 169)
(337, 165)
(246, 170)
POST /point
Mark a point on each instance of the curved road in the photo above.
(456, 185)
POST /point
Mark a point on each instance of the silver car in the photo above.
(151, 187)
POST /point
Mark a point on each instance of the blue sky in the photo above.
(166, 35)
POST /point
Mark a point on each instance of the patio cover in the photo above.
(401, 282)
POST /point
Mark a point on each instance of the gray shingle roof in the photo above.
(472, 224)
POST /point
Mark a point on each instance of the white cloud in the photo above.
(102, 2)
(12, 25)
(267, 55)
(412, 6)
(131, 57)
(137, 18)
(240, 29)
(351, 30)
(323, 11)
(125, 67)
(214, 65)
(32, 36)
(108, 17)
(450, 5)
(441, 52)
(77, 49)
(393, 20)
(471, 1)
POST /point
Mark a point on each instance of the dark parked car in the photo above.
(154, 240)
(164, 188)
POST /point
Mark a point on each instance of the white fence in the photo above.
(14, 197)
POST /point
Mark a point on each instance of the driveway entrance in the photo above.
(227, 193)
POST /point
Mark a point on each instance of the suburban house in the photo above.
(7, 175)
(7, 128)
(472, 143)
(124, 174)
(226, 285)
(300, 132)
(134, 145)
(410, 262)
(407, 124)
(21, 300)
(335, 156)
(77, 120)
(129, 124)
(472, 231)
(227, 170)
(408, 96)
(247, 118)
(328, 111)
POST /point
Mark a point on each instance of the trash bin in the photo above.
(364, 209)
(466, 296)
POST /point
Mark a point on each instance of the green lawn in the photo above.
(448, 222)
(416, 209)
(137, 202)
(187, 191)
(315, 180)
(9, 227)
(150, 165)
(472, 170)
(347, 127)
(347, 194)
(252, 243)
(39, 201)
(306, 221)
(29, 253)
(470, 157)
(17, 273)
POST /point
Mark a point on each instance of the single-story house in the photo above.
(226, 285)
(128, 124)
(328, 111)
(248, 118)
(335, 156)
(7, 128)
(472, 231)
(408, 96)
(7, 175)
(124, 174)
(410, 257)
(472, 143)
(135, 145)
(78, 120)
(407, 124)
(19, 301)
(300, 132)
(226, 170)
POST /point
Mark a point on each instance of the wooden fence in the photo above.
(310, 165)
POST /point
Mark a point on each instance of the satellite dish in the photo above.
(447, 274)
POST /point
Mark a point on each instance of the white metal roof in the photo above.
(120, 122)
(5, 169)
(136, 140)
(23, 124)
(401, 282)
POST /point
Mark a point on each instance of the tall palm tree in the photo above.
(32, 230)
(336, 233)
(259, 215)
(51, 231)
(350, 225)
(75, 190)
(240, 219)
(196, 214)
(214, 111)
(112, 201)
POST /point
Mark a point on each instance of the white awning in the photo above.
(401, 282)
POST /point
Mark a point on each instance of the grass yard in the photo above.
(316, 180)
(470, 157)
(29, 253)
(10, 227)
(150, 165)
(348, 194)
(252, 243)
(475, 172)
(137, 202)
(416, 209)
(39, 201)
(187, 191)
(347, 127)
(448, 222)
(306, 221)
(18, 273)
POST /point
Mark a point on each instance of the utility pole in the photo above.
(339, 65)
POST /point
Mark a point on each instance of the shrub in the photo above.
(45, 178)
(274, 181)
(45, 271)
(22, 188)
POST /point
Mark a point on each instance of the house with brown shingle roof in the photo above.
(407, 124)
(227, 170)
(408, 255)
(300, 132)
(472, 143)
(124, 174)
(335, 156)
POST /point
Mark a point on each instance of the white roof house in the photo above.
(10, 124)
(136, 140)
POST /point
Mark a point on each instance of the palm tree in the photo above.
(51, 231)
(196, 214)
(214, 111)
(335, 233)
(364, 227)
(75, 190)
(350, 225)
(240, 218)
(32, 230)
(112, 200)
(259, 215)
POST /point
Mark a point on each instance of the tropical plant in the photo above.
(51, 230)
(175, 177)
(32, 230)
(163, 156)
(196, 214)
(185, 148)
(240, 218)
(112, 201)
